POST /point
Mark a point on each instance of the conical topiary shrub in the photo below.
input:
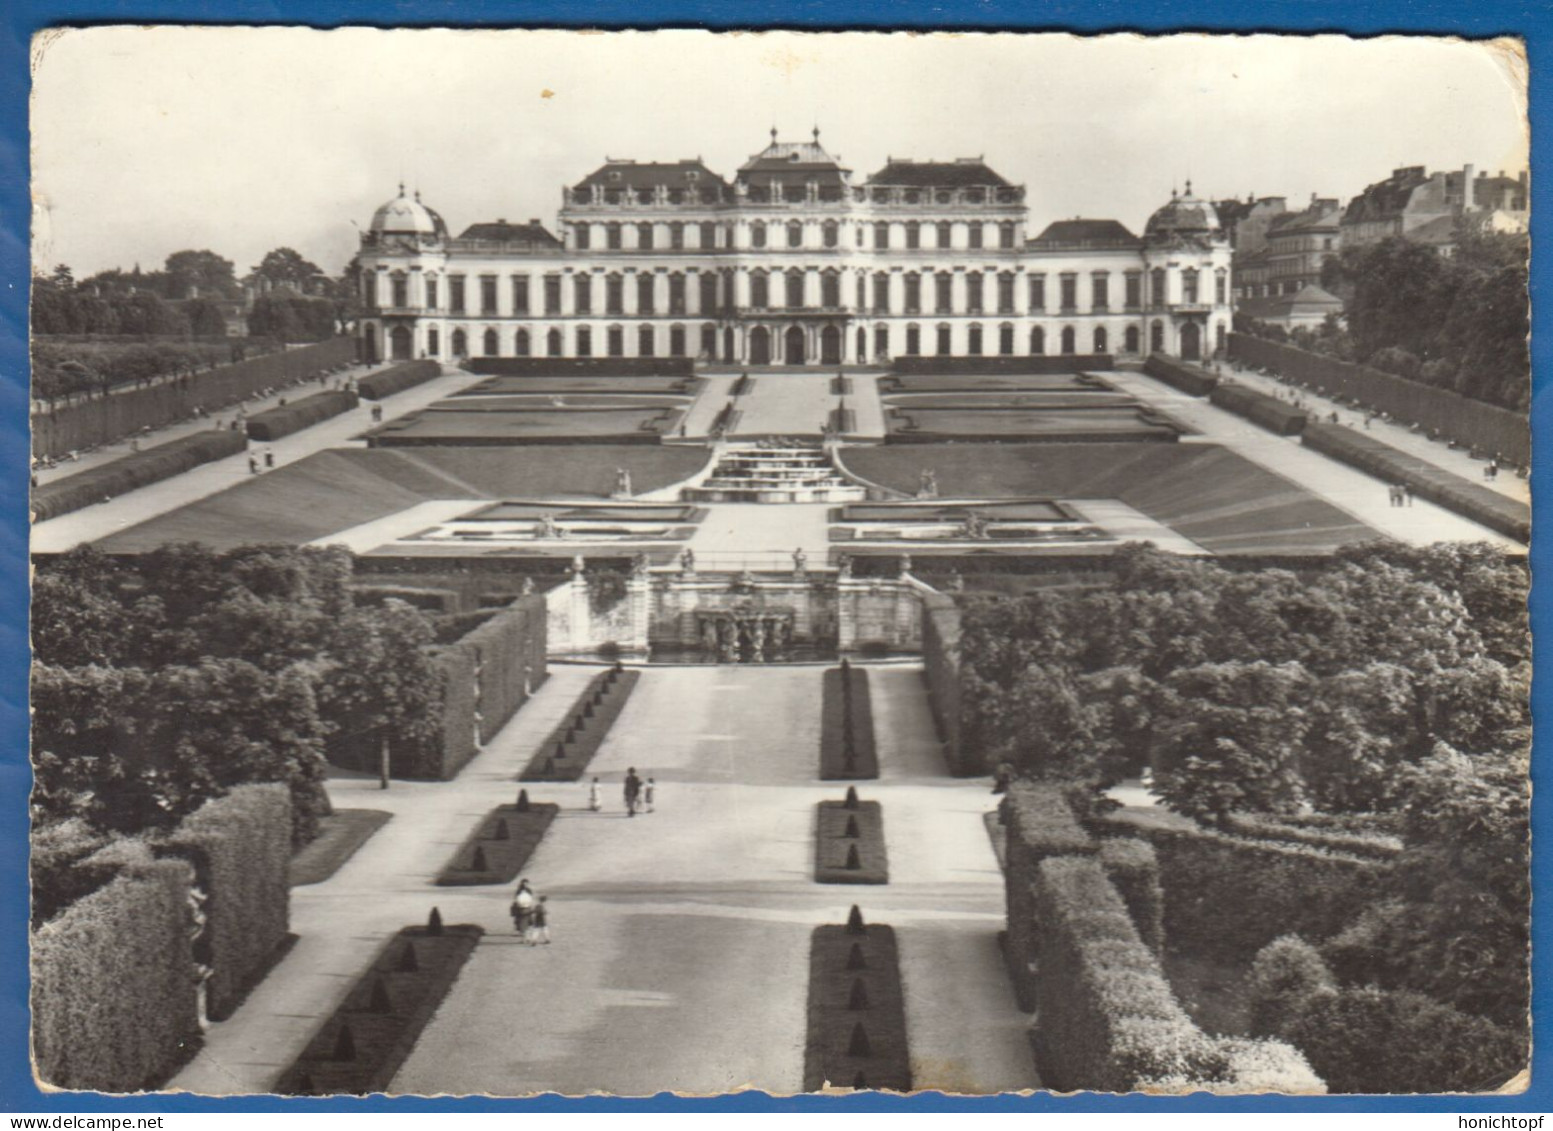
(587, 710)
(549, 769)
(851, 831)
(523, 794)
(408, 963)
(851, 801)
(434, 920)
(854, 861)
(860, 1083)
(855, 959)
(560, 750)
(303, 1085)
(379, 1001)
(859, 995)
(344, 1044)
(500, 832)
(855, 921)
(477, 861)
(860, 1045)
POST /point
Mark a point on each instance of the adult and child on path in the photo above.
(638, 794)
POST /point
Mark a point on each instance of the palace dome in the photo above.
(1183, 216)
(407, 216)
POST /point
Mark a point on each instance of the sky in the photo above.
(149, 140)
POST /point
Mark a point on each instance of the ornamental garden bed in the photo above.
(849, 842)
(856, 1012)
(286, 419)
(566, 751)
(363, 1043)
(847, 751)
(1259, 408)
(340, 834)
(387, 382)
(110, 480)
(500, 844)
(1189, 379)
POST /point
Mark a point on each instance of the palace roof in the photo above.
(967, 172)
(532, 233)
(1081, 233)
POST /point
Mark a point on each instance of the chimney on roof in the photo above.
(501, 219)
(533, 222)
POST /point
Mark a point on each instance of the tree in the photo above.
(199, 274)
(205, 318)
(284, 267)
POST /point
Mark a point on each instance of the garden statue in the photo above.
(905, 565)
(548, 527)
(528, 587)
(800, 561)
(687, 561)
(622, 484)
(927, 485)
(845, 566)
(956, 582)
(577, 564)
(975, 526)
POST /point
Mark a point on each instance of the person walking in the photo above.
(269, 457)
(541, 924)
(522, 909)
(253, 464)
(647, 794)
(1407, 493)
(595, 796)
(633, 789)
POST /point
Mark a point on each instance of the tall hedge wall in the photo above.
(283, 421)
(1039, 824)
(1467, 421)
(1259, 408)
(1037, 363)
(1189, 379)
(240, 847)
(398, 378)
(1451, 491)
(88, 424)
(113, 1001)
(941, 670)
(109, 481)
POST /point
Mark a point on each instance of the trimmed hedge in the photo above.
(340, 835)
(1188, 379)
(113, 997)
(1375, 457)
(283, 421)
(845, 707)
(429, 600)
(856, 1010)
(1107, 1018)
(1133, 867)
(1259, 408)
(387, 382)
(109, 481)
(941, 671)
(1258, 826)
(833, 848)
(1226, 897)
(583, 366)
(240, 848)
(1029, 364)
(1285, 975)
(58, 866)
(1373, 1040)
(498, 847)
(1040, 825)
(384, 1013)
(572, 743)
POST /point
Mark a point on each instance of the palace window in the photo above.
(456, 293)
(943, 287)
(830, 290)
(677, 236)
(552, 343)
(973, 235)
(973, 344)
(520, 343)
(760, 290)
(583, 236)
(975, 281)
(1006, 293)
(1099, 291)
(552, 294)
(1131, 339)
(882, 293)
(1189, 286)
(520, 294)
(676, 341)
(676, 293)
(1134, 290)
(862, 292)
(644, 293)
(794, 234)
(1157, 337)
(1069, 284)
(1100, 340)
(913, 293)
(1069, 340)
(708, 286)
(794, 289)
(1220, 287)
(1037, 293)
(612, 236)
(491, 343)
(881, 342)
(758, 234)
(644, 237)
(460, 344)
(945, 233)
(582, 285)
(708, 234)
(709, 341)
(913, 239)
(1006, 338)
(433, 342)
(913, 340)
(644, 341)
(584, 341)
(944, 341)
(1006, 235)
(1037, 340)
(831, 233)
(1157, 290)
(614, 294)
(488, 294)
(882, 236)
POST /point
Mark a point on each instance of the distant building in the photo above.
(1412, 199)
(1245, 222)
(791, 262)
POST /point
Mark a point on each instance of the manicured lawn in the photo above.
(858, 857)
(856, 1012)
(565, 753)
(364, 1042)
(340, 834)
(841, 759)
(499, 846)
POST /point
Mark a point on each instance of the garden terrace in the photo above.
(566, 751)
(335, 490)
(98, 484)
(1037, 364)
(856, 1010)
(500, 844)
(561, 385)
(364, 1042)
(645, 367)
(340, 834)
(847, 750)
(1007, 383)
(1066, 425)
(1209, 494)
(849, 842)
(973, 401)
(532, 426)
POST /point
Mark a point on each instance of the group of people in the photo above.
(530, 918)
(1401, 495)
(639, 794)
(253, 460)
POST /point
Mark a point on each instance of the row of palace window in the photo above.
(647, 340)
(793, 285)
(613, 236)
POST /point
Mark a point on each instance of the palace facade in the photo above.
(793, 263)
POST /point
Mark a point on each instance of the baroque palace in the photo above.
(792, 263)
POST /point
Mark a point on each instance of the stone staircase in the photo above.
(767, 474)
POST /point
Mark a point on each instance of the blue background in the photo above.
(19, 19)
